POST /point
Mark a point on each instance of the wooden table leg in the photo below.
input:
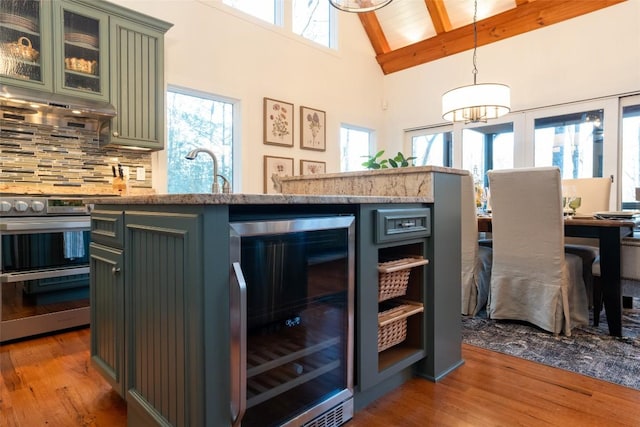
(610, 242)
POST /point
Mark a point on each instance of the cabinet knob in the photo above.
(115, 270)
(116, 134)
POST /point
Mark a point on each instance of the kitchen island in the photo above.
(162, 289)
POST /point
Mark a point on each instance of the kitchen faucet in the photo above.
(215, 187)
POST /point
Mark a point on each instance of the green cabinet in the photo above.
(107, 314)
(26, 48)
(90, 49)
(137, 84)
(161, 324)
(55, 46)
(80, 50)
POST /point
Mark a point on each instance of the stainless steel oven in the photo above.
(44, 271)
(292, 304)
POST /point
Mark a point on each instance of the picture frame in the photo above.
(278, 122)
(281, 166)
(313, 130)
(312, 167)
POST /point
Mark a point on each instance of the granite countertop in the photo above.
(246, 199)
(383, 172)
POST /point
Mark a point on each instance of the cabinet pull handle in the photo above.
(238, 307)
(116, 134)
(115, 270)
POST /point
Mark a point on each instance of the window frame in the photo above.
(409, 134)
(236, 149)
(372, 141)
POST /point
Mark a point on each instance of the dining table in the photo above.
(609, 233)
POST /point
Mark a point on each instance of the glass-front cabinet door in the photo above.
(80, 51)
(25, 49)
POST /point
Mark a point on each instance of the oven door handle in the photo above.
(238, 322)
(42, 274)
(45, 224)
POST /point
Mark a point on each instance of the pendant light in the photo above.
(476, 102)
(359, 5)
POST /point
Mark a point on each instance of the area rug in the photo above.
(588, 351)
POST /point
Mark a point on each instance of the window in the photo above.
(197, 121)
(355, 148)
(430, 147)
(573, 142)
(268, 10)
(486, 148)
(630, 177)
(311, 19)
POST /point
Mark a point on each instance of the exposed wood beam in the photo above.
(529, 16)
(439, 15)
(374, 32)
(521, 2)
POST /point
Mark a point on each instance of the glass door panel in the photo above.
(80, 51)
(21, 43)
(573, 142)
(487, 147)
(630, 162)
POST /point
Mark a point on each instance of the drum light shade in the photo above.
(476, 103)
(359, 5)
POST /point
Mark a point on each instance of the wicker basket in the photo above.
(21, 49)
(393, 277)
(392, 323)
(81, 65)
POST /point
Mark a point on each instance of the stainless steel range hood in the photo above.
(40, 107)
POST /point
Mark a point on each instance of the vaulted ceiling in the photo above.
(407, 33)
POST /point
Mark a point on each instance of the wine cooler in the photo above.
(292, 293)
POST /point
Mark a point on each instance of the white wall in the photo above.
(214, 49)
(590, 56)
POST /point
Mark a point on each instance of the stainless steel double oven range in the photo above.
(44, 275)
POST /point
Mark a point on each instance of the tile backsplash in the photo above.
(67, 159)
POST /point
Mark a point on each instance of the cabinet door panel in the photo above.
(81, 39)
(137, 85)
(107, 314)
(25, 47)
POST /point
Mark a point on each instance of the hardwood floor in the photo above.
(49, 381)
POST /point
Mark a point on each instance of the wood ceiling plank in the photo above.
(439, 15)
(526, 17)
(374, 31)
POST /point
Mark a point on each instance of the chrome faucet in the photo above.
(215, 187)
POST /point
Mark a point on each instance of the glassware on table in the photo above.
(574, 203)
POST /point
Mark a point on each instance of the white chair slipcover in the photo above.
(531, 278)
(595, 193)
(474, 259)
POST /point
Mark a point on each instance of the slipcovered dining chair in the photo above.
(595, 194)
(475, 260)
(532, 279)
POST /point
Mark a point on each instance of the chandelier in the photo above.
(476, 102)
(359, 5)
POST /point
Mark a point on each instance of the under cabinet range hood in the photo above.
(44, 108)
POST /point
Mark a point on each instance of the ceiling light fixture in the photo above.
(359, 5)
(476, 102)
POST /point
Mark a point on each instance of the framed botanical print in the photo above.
(278, 122)
(313, 129)
(309, 167)
(281, 166)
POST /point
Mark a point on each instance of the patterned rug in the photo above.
(588, 351)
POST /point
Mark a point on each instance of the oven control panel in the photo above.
(42, 206)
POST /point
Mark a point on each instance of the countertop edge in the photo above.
(239, 199)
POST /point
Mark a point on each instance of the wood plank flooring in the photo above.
(49, 381)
